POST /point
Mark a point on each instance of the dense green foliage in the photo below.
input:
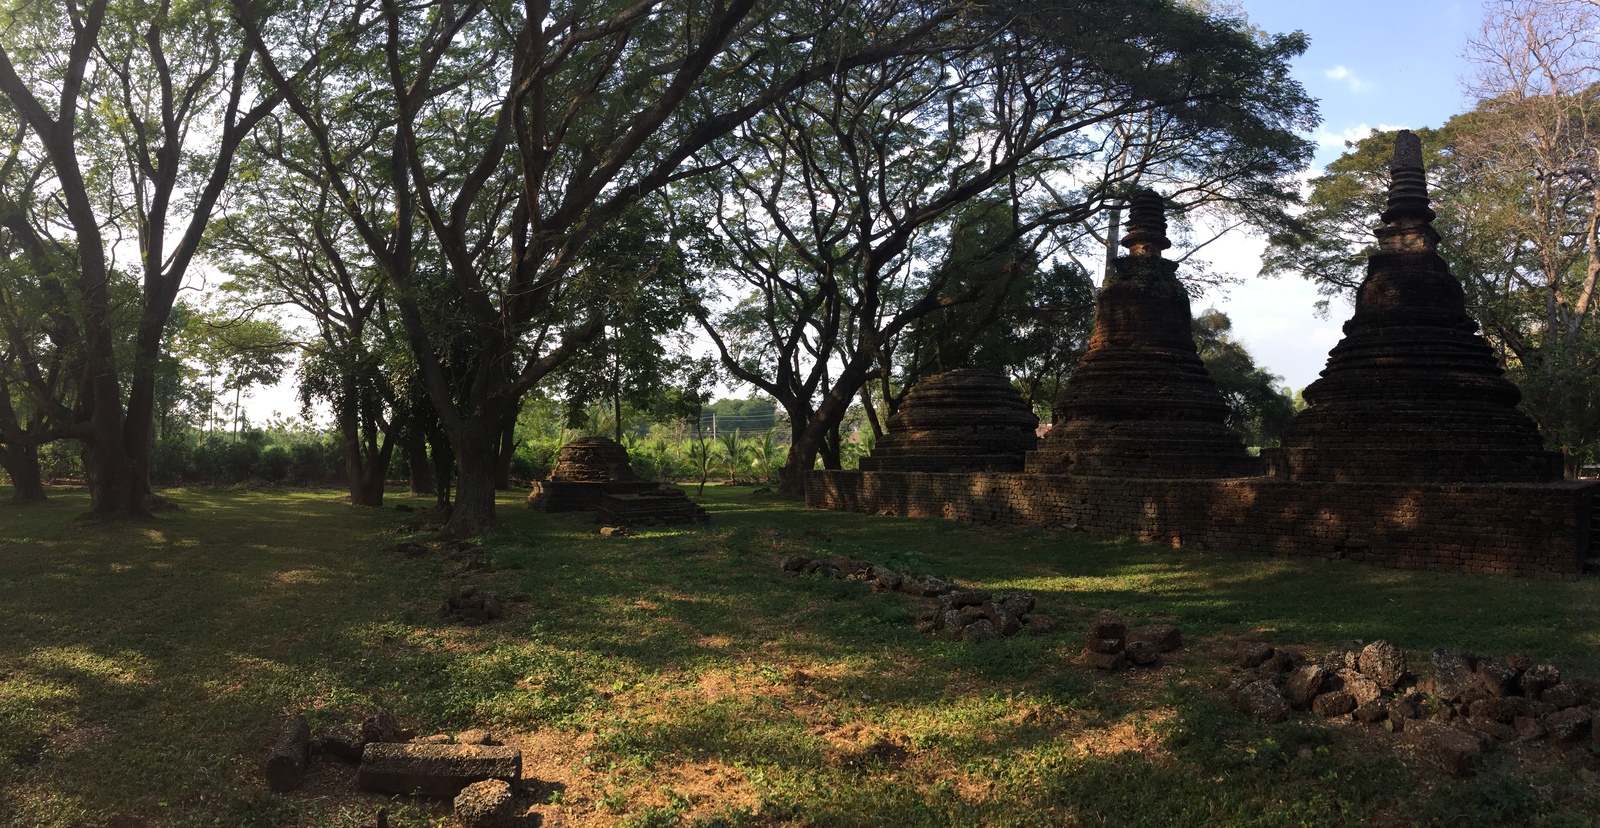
(1259, 407)
(989, 159)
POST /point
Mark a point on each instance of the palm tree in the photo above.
(766, 453)
(734, 449)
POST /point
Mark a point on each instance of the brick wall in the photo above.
(1537, 530)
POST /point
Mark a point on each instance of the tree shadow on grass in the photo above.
(675, 645)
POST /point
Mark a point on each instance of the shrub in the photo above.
(61, 460)
(274, 463)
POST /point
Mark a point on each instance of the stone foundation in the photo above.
(1538, 530)
(567, 496)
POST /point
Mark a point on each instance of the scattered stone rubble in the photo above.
(472, 766)
(883, 579)
(1470, 704)
(286, 763)
(486, 804)
(473, 606)
(959, 614)
(1112, 644)
(975, 615)
(440, 770)
(462, 556)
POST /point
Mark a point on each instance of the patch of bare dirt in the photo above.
(568, 792)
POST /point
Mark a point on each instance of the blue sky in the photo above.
(1370, 64)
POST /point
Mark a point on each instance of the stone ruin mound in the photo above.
(1468, 706)
(587, 469)
(593, 474)
(1140, 403)
(966, 420)
(1111, 644)
(593, 460)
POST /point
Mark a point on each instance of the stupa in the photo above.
(1141, 403)
(966, 420)
(586, 470)
(1412, 393)
(1412, 453)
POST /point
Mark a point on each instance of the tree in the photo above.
(834, 200)
(139, 108)
(285, 243)
(735, 450)
(515, 134)
(633, 268)
(249, 351)
(1030, 322)
(1258, 408)
(20, 433)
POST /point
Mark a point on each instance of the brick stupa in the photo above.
(1413, 393)
(966, 420)
(1141, 403)
(593, 473)
(586, 470)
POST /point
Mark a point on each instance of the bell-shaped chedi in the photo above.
(586, 470)
(592, 460)
(1413, 393)
(594, 473)
(966, 420)
(1141, 403)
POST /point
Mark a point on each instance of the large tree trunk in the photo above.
(20, 459)
(139, 429)
(22, 466)
(115, 487)
(419, 472)
(444, 461)
(507, 450)
(364, 475)
(117, 476)
(474, 442)
(809, 435)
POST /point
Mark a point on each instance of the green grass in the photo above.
(677, 678)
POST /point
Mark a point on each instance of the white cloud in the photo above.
(1343, 73)
(1349, 135)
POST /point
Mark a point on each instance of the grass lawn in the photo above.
(676, 677)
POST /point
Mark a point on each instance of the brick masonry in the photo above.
(1538, 530)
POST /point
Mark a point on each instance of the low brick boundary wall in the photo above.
(1539, 530)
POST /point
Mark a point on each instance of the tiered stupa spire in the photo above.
(1412, 393)
(1141, 403)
